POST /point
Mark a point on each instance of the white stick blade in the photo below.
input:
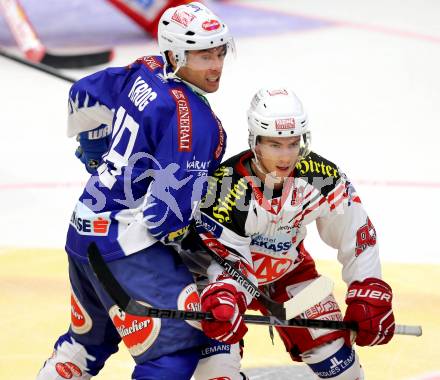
(312, 294)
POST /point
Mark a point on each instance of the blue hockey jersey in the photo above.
(165, 141)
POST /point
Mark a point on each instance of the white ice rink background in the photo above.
(366, 71)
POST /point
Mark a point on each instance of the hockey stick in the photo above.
(38, 66)
(78, 61)
(131, 306)
(311, 295)
(33, 48)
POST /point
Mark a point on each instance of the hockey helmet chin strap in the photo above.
(257, 163)
(262, 170)
(171, 74)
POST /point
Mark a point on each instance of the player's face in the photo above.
(203, 68)
(278, 155)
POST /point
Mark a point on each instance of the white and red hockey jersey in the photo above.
(262, 228)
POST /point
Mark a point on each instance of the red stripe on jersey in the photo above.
(357, 199)
(336, 192)
(313, 207)
(338, 202)
(307, 196)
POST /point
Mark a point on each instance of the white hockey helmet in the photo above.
(277, 112)
(191, 27)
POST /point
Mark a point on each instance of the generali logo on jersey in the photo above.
(138, 333)
(184, 121)
(182, 18)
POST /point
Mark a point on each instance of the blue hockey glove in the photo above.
(92, 145)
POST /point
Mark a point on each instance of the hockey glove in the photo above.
(226, 304)
(92, 145)
(369, 304)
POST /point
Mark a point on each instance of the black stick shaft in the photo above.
(135, 308)
(131, 306)
(38, 66)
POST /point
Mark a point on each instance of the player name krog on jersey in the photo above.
(141, 94)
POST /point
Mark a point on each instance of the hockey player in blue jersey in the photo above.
(150, 139)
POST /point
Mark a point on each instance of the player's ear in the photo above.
(257, 145)
(258, 152)
(171, 59)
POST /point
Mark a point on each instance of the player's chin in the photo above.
(284, 171)
(212, 85)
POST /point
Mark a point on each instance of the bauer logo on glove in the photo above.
(369, 304)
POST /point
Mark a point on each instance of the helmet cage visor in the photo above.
(304, 143)
(209, 59)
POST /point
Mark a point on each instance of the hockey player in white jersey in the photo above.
(255, 214)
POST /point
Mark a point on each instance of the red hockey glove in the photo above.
(226, 305)
(369, 304)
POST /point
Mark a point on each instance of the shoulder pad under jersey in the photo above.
(151, 62)
(227, 197)
(319, 172)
